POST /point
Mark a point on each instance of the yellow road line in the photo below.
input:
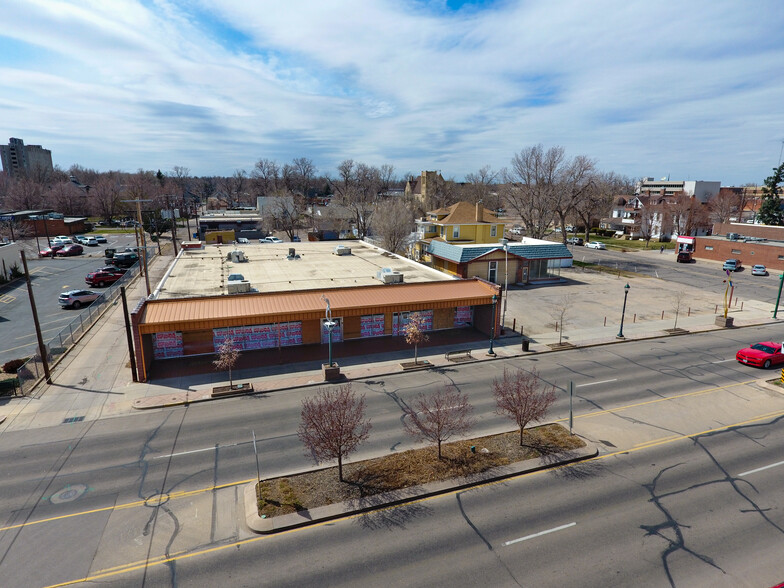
(138, 566)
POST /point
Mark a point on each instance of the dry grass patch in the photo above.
(396, 471)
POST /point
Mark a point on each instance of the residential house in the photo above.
(461, 223)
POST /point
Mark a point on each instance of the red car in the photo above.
(762, 355)
(50, 251)
(101, 279)
(69, 250)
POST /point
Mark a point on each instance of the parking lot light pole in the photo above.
(623, 312)
(778, 298)
(505, 243)
(492, 328)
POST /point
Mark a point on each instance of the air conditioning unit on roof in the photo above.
(342, 250)
(387, 276)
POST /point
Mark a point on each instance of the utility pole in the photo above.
(138, 202)
(41, 346)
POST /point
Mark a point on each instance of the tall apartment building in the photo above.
(23, 160)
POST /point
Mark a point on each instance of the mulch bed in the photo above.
(308, 490)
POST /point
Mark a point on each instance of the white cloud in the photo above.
(688, 89)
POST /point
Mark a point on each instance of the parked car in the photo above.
(732, 265)
(762, 355)
(70, 250)
(50, 251)
(60, 240)
(101, 279)
(683, 257)
(242, 240)
(77, 298)
(575, 240)
(81, 239)
(517, 230)
(124, 259)
(92, 242)
(759, 270)
(595, 245)
(112, 269)
(270, 240)
(100, 238)
(296, 239)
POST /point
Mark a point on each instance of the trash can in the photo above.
(526, 343)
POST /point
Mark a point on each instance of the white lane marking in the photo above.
(539, 534)
(192, 451)
(773, 465)
(725, 360)
(594, 383)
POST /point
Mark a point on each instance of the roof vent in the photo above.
(237, 256)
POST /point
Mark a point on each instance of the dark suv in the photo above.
(574, 241)
(124, 259)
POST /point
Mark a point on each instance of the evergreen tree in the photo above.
(770, 210)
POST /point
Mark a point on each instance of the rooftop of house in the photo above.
(462, 213)
(269, 268)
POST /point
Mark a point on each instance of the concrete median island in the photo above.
(306, 498)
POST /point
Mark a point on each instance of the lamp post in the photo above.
(505, 243)
(330, 324)
(778, 298)
(623, 312)
(492, 328)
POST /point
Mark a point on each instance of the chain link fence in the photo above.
(33, 370)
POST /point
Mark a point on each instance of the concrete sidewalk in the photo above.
(94, 379)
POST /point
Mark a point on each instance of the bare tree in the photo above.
(285, 212)
(480, 185)
(598, 197)
(559, 309)
(414, 332)
(677, 302)
(393, 221)
(647, 220)
(333, 424)
(439, 416)
(519, 397)
(266, 177)
(724, 205)
(357, 189)
(228, 355)
(531, 185)
(304, 171)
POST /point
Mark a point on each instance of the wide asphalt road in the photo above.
(154, 498)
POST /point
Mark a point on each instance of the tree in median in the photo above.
(414, 332)
(519, 397)
(333, 424)
(440, 416)
(227, 357)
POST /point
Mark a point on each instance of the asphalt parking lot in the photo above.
(49, 277)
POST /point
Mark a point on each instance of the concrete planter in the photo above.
(235, 389)
(331, 373)
(724, 322)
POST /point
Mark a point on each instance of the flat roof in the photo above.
(204, 272)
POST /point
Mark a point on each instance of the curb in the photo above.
(192, 397)
(350, 508)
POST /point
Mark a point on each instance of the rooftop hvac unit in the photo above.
(387, 276)
(342, 250)
(237, 256)
(238, 286)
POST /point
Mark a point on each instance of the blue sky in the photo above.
(691, 90)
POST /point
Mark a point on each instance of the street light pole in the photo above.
(623, 312)
(492, 328)
(505, 243)
(330, 324)
(778, 298)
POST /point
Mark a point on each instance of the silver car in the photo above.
(77, 298)
(759, 270)
(595, 245)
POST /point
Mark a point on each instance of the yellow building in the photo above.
(460, 224)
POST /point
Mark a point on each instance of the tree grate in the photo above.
(78, 419)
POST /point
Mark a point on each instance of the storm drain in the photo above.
(78, 419)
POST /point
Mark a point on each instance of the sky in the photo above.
(687, 90)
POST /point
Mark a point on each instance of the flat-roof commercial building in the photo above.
(282, 299)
